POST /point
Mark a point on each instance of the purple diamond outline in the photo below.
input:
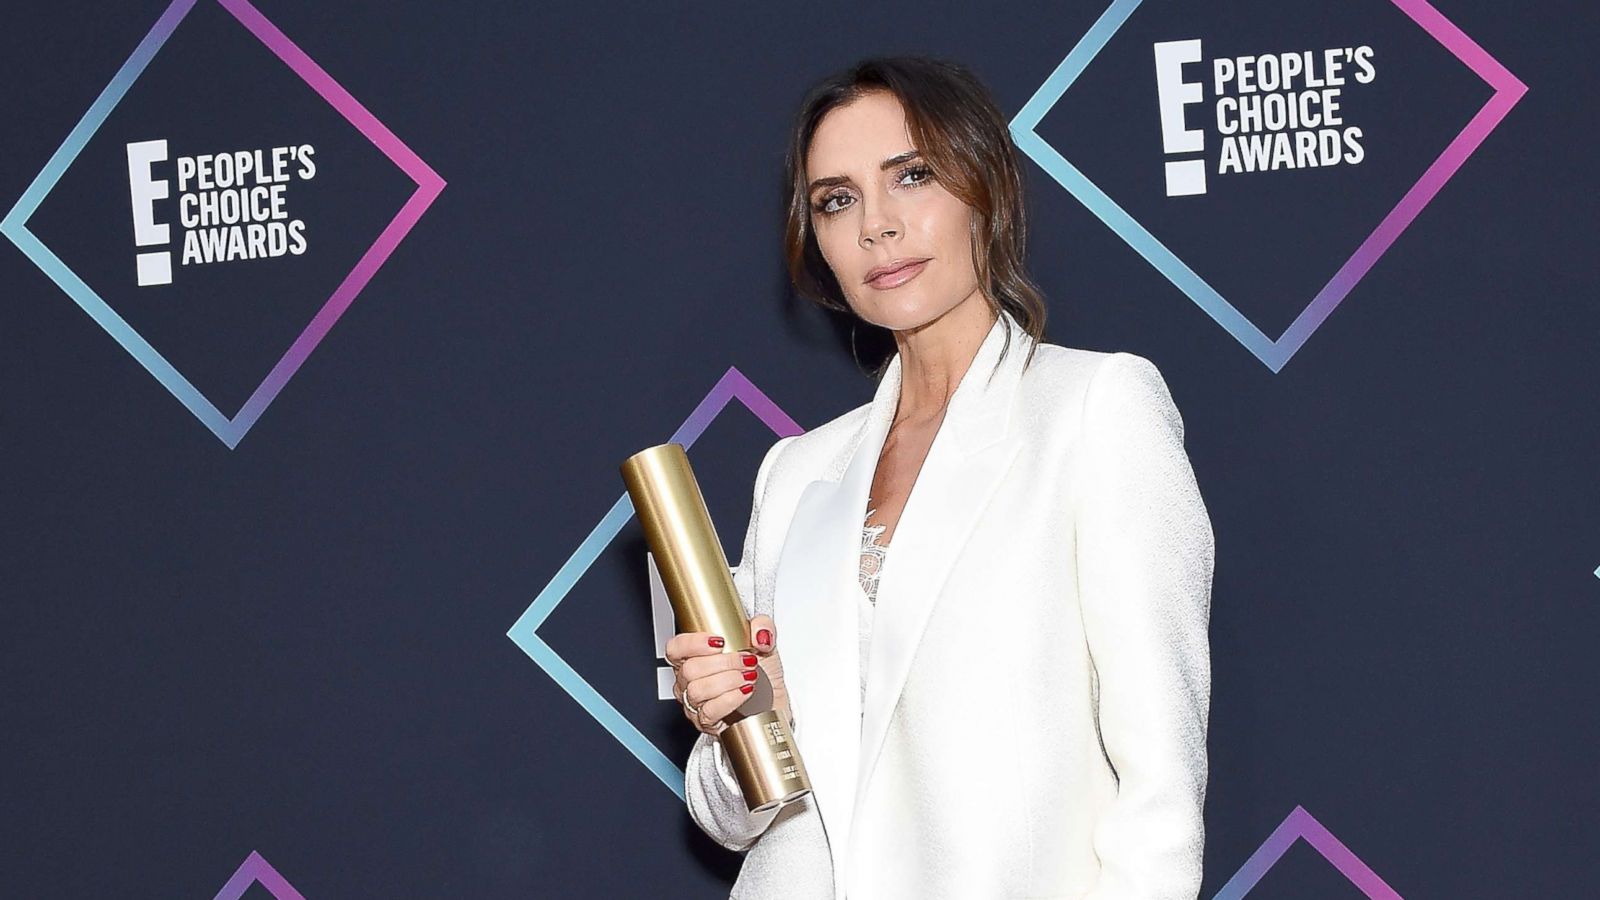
(230, 430)
(1300, 824)
(733, 386)
(255, 869)
(1275, 354)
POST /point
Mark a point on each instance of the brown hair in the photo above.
(964, 140)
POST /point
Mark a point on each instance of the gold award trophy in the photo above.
(677, 527)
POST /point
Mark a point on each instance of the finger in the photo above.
(697, 716)
(718, 684)
(714, 710)
(687, 711)
(764, 634)
(690, 644)
(704, 666)
(693, 715)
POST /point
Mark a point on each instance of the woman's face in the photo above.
(875, 205)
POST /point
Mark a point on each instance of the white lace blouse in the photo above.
(871, 565)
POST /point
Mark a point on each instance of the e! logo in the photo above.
(154, 267)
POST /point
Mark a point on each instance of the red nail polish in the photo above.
(750, 675)
(746, 688)
(749, 659)
(764, 637)
(715, 641)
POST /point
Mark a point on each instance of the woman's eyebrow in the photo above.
(884, 166)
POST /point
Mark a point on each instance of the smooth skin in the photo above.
(873, 201)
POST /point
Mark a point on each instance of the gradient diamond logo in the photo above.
(256, 870)
(733, 385)
(1299, 824)
(1187, 179)
(231, 429)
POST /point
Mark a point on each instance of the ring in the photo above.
(684, 699)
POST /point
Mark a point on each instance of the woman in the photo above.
(991, 585)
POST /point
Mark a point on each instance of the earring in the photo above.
(853, 354)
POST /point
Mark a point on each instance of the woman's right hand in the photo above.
(717, 682)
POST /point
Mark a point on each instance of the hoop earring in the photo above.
(853, 354)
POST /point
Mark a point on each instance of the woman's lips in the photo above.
(891, 280)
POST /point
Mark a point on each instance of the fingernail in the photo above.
(764, 637)
(750, 675)
(746, 688)
(715, 641)
(749, 659)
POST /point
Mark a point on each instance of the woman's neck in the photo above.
(935, 356)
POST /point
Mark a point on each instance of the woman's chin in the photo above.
(906, 312)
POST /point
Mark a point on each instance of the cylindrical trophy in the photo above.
(678, 529)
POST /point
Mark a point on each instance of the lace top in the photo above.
(870, 567)
(872, 555)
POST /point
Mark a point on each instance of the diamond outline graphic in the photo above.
(255, 868)
(1275, 354)
(429, 184)
(1301, 824)
(733, 385)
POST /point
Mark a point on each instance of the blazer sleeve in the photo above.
(1145, 556)
(712, 793)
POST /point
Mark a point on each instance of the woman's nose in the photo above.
(879, 221)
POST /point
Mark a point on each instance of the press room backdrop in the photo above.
(317, 577)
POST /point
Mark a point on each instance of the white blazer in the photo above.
(1039, 672)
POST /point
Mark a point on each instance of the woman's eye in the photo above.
(828, 203)
(922, 173)
(916, 176)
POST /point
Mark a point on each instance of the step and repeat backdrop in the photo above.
(326, 325)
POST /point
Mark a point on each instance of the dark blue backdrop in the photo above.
(284, 669)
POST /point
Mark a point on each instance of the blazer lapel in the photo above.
(817, 588)
(970, 453)
(815, 608)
